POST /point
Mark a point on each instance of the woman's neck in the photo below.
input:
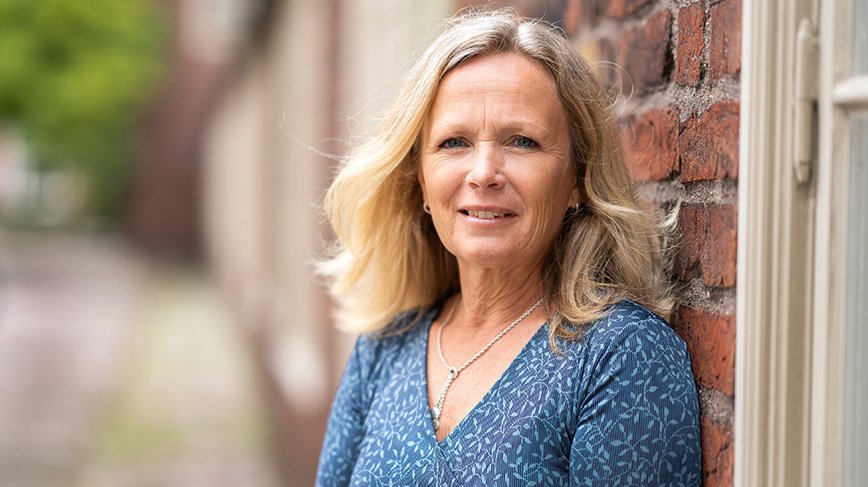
(494, 298)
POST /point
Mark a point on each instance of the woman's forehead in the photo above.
(503, 65)
(511, 90)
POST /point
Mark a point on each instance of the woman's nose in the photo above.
(485, 169)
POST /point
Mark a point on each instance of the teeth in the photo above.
(488, 215)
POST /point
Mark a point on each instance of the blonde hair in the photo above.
(389, 259)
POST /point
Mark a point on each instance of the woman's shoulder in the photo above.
(628, 318)
(406, 329)
(629, 327)
(633, 349)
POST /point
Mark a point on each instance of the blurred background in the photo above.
(162, 163)
(161, 166)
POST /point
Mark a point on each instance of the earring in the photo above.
(426, 208)
(577, 207)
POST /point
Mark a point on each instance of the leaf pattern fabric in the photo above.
(616, 408)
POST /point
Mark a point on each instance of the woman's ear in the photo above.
(421, 177)
(576, 196)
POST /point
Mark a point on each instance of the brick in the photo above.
(552, 11)
(724, 46)
(652, 144)
(580, 13)
(644, 52)
(710, 338)
(592, 50)
(620, 9)
(708, 143)
(603, 61)
(688, 48)
(598, 53)
(717, 454)
(708, 246)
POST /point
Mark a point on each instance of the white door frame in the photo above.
(775, 231)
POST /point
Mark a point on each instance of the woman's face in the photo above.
(495, 162)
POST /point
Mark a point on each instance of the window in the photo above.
(803, 245)
(840, 385)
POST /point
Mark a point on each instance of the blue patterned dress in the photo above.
(617, 408)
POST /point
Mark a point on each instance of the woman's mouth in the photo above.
(485, 215)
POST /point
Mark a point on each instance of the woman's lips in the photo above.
(486, 213)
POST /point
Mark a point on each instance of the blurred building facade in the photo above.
(764, 244)
(314, 76)
(163, 211)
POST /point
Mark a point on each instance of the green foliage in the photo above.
(74, 76)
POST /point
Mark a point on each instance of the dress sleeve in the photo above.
(345, 428)
(638, 419)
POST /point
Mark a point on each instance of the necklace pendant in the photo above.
(435, 418)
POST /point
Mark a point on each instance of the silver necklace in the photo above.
(453, 372)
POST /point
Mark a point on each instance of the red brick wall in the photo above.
(679, 63)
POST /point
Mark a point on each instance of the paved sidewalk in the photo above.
(66, 304)
(116, 373)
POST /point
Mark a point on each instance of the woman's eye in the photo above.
(452, 143)
(524, 142)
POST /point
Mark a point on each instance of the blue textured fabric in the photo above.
(618, 408)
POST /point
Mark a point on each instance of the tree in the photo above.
(74, 76)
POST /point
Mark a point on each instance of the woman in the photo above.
(493, 254)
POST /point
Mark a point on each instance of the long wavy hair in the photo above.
(388, 258)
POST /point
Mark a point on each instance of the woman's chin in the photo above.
(500, 258)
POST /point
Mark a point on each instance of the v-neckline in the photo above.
(430, 433)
